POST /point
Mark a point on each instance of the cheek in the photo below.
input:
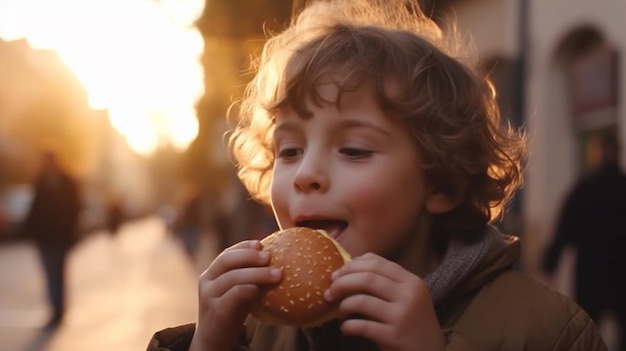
(366, 197)
(383, 217)
(363, 199)
(388, 204)
(385, 204)
(387, 191)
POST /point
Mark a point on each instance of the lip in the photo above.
(333, 226)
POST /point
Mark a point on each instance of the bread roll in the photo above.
(307, 258)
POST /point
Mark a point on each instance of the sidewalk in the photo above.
(121, 290)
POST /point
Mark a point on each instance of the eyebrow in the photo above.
(357, 123)
(285, 126)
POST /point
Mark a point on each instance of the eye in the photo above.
(289, 152)
(355, 153)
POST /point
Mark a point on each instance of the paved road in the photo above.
(121, 290)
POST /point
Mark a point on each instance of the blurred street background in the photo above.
(132, 97)
(122, 289)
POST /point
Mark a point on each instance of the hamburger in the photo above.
(307, 258)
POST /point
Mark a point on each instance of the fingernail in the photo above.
(276, 273)
(327, 295)
(254, 243)
(334, 275)
(264, 255)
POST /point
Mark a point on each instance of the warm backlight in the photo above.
(137, 58)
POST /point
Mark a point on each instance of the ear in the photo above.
(438, 202)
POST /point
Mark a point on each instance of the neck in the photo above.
(417, 253)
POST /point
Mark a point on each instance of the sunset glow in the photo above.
(137, 58)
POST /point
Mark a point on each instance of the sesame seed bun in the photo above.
(307, 258)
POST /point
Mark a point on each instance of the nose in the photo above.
(312, 175)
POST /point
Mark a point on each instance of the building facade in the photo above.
(568, 57)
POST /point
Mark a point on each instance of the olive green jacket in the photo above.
(493, 307)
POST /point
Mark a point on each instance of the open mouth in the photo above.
(333, 227)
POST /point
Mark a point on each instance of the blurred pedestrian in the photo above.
(189, 222)
(4, 227)
(115, 215)
(168, 214)
(592, 221)
(249, 219)
(53, 223)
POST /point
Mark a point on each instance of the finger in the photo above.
(236, 258)
(366, 307)
(242, 276)
(245, 244)
(361, 282)
(235, 299)
(228, 311)
(375, 264)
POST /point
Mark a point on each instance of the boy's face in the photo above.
(352, 171)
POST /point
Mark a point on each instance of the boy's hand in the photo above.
(394, 305)
(225, 291)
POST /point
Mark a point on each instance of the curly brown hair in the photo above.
(450, 108)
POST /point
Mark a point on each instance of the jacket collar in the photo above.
(492, 264)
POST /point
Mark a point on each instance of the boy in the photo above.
(363, 121)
